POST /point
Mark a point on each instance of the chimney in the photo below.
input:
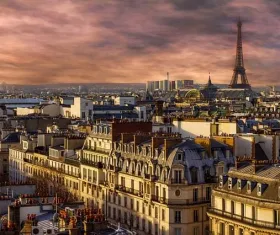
(127, 137)
(156, 142)
(259, 164)
(139, 139)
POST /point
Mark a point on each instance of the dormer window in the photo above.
(259, 189)
(248, 187)
(156, 153)
(230, 183)
(179, 157)
(239, 184)
(221, 181)
(144, 151)
(227, 154)
(202, 154)
(216, 154)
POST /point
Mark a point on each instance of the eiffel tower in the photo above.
(239, 69)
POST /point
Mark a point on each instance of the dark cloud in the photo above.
(195, 5)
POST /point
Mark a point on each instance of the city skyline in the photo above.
(120, 41)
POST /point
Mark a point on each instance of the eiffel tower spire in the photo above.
(239, 69)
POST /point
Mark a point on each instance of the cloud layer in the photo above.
(84, 41)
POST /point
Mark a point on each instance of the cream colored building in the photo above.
(152, 183)
(205, 127)
(52, 110)
(247, 199)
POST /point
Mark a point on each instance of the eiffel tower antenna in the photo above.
(239, 69)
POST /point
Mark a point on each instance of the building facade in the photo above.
(149, 182)
(246, 201)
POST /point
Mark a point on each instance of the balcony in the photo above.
(164, 200)
(114, 168)
(88, 162)
(150, 177)
(129, 190)
(245, 220)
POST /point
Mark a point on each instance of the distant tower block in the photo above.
(239, 70)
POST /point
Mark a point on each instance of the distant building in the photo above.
(167, 85)
(196, 127)
(51, 110)
(124, 100)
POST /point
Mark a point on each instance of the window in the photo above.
(156, 212)
(259, 189)
(125, 201)
(241, 231)
(208, 193)
(83, 115)
(195, 216)
(178, 176)
(195, 194)
(156, 229)
(125, 217)
(123, 181)
(177, 231)
(276, 217)
(229, 183)
(114, 213)
(143, 224)
(150, 227)
(253, 212)
(177, 218)
(131, 203)
(232, 207)
(179, 156)
(109, 211)
(143, 208)
(196, 231)
(239, 184)
(231, 229)
(249, 187)
(137, 205)
(242, 210)
(162, 231)
(194, 175)
(222, 229)
(221, 183)
(163, 214)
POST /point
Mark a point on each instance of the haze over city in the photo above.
(44, 42)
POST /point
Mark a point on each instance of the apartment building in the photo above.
(246, 201)
(49, 159)
(153, 183)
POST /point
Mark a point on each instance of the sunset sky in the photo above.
(87, 41)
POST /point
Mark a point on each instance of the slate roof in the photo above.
(12, 138)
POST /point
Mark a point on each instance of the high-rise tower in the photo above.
(239, 70)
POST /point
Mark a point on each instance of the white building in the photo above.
(51, 110)
(124, 100)
(195, 127)
(142, 113)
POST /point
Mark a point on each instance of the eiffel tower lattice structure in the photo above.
(239, 70)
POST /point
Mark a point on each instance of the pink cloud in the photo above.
(135, 41)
